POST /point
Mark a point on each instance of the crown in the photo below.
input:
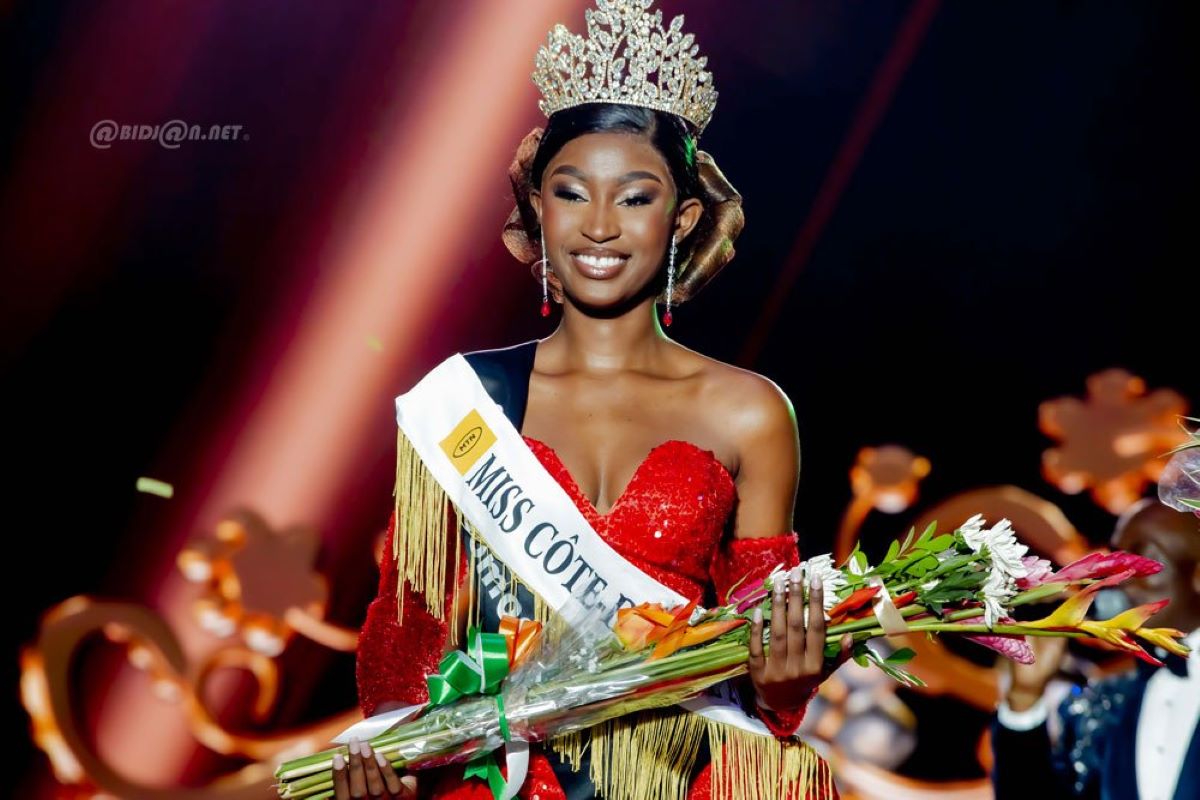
(626, 58)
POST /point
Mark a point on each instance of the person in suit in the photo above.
(1132, 736)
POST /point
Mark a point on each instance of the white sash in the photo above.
(512, 503)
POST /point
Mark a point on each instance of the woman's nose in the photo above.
(601, 223)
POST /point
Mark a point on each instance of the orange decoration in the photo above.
(1110, 442)
(521, 636)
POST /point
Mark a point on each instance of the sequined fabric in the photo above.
(1089, 716)
(382, 676)
(669, 521)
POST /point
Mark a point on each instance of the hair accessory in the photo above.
(627, 58)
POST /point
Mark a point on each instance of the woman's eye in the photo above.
(566, 194)
(638, 200)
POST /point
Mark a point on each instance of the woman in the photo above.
(686, 466)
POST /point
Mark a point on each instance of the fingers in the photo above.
(779, 628)
(375, 785)
(756, 661)
(367, 773)
(341, 779)
(395, 784)
(814, 645)
(358, 776)
(795, 617)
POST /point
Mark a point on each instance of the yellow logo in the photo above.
(470, 439)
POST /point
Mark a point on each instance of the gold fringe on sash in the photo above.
(648, 755)
(747, 766)
(652, 754)
(419, 543)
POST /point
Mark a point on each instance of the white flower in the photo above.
(997, 590)
(1005, 554)
(778, 577)
(832, 578)
(971, 530)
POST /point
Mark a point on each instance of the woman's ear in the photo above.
(535, 200)
(687, 217)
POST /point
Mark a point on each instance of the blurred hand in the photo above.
(785, 678)
(1029, 680)
(368, 774)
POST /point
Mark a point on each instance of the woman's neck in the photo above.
(606, 345)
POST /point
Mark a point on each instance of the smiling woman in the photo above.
(694, 462)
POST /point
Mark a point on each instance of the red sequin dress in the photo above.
(668, 521)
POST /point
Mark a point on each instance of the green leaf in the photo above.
(887, 568)
(1190, 503)
(908, 540)
(860, 558)
(930, 529)
(938, 543)
(893, 551)
(901, 656)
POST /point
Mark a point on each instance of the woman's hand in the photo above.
(369, 775)
(785, 679)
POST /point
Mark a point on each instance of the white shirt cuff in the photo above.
(1026, 720)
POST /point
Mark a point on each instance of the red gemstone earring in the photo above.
(545, 294)
(670, 282)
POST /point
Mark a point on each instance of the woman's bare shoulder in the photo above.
(748, 405)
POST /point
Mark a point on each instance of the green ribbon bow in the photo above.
(479, 670)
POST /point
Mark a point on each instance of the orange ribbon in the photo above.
(521, 635)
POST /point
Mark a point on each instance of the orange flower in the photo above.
(856, 601)
(668, 630)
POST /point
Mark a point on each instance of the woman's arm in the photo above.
(393, 658)
(763, 424)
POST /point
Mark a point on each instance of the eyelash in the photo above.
(641, 199)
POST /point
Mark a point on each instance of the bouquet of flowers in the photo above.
(528, 684)
(1179, 484)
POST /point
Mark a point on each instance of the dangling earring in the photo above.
(545, 264)
(670, 282)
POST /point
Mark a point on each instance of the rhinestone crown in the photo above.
(626, 58)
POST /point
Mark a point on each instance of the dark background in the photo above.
(1021, 216)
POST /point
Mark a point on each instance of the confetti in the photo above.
(152, 486)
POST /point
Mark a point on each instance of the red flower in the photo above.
(1102, 565)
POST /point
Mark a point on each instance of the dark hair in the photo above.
(669, 134)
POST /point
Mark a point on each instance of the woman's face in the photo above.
(607, 209)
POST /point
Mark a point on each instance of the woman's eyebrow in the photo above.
(637, 174)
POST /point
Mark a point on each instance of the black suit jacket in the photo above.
(1096, 758)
